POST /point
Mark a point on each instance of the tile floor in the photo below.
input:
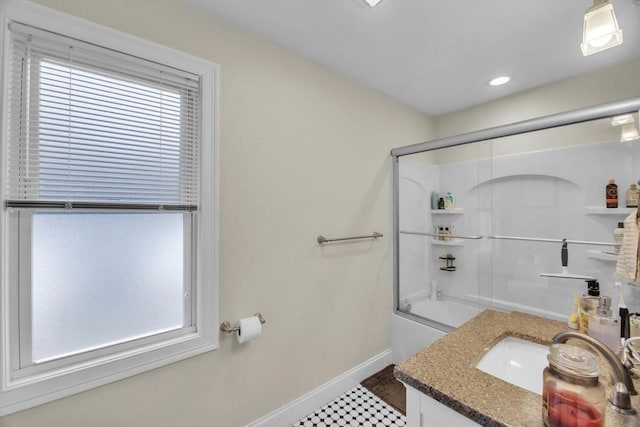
(357, 407)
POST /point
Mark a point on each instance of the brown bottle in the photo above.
(612, 194)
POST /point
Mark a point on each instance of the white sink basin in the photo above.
(518, 362)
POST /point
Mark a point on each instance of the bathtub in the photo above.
(450, 313)
(409, 333)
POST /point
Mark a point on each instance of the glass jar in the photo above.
(572, 394)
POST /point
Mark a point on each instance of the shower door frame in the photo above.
(601, 111)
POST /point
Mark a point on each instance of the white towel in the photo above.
(628, 265)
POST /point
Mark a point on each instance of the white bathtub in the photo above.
(409, 336)
(451, 313)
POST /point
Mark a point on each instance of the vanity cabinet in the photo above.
(423, 411)
(447, 370)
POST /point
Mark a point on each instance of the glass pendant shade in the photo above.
(629, 133)
(600, 29)
(623, 119)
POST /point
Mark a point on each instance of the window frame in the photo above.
(21, 390)
(20, 228)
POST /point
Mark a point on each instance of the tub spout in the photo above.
(620, 400)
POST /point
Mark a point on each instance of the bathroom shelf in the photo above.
(455, 237)
(456, 211)
(602, 255)
(600, 210)
(447, 243)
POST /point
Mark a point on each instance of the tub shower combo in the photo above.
(515, 194)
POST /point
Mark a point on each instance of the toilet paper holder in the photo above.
(226, 326)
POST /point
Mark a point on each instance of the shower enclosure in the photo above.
(516, 192)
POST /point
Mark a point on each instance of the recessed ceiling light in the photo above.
(499, 80)
(372, 3)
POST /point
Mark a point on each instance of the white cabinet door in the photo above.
(423, 411)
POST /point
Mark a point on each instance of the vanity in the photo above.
(445, 388)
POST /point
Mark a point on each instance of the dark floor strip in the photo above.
(384, 385)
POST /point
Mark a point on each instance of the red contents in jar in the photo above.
(567, 409)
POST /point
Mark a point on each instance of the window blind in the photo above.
(92, 127)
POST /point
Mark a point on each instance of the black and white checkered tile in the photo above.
(357, 407)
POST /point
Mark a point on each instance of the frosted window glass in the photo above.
(102, 278)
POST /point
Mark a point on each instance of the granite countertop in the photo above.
(446, 372)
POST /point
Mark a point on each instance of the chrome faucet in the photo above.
(620, 400)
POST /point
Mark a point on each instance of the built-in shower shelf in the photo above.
(603, 256)
(455, 242)
(600, 210)
(456, 211)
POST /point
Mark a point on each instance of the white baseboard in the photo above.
(315, 399)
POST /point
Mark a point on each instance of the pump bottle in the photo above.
(605, 327)
(589, 303)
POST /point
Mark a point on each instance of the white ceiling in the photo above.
(436, 55)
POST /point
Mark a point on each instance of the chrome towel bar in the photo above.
(452, 236)
(537, 239)
(322, 239)
(226, 326)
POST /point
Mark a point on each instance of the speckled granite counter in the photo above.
(446, 372)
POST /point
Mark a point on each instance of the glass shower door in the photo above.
(442, 255)
(481, 225)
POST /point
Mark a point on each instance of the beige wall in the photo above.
(303, 152)
(606, 85)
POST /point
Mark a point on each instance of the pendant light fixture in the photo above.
(629, 130)
(629, 133)
(601, 29)
(623, 119)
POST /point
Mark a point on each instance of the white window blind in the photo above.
(92, 127)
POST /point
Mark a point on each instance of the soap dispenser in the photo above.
(589, 303)
(604, 327)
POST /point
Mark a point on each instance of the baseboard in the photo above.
(296, 409)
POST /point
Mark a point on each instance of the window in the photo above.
(108, 217)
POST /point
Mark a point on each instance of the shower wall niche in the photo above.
(517, 196)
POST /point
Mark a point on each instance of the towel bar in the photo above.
(322, 239)
(452, 236)
(536, 239)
